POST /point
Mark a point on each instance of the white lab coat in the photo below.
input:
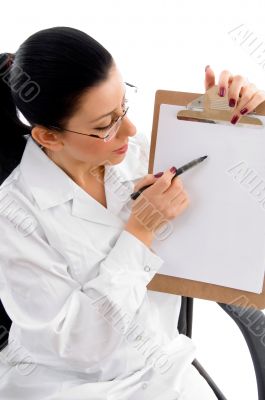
(74, 284)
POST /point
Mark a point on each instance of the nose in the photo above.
(127, 128)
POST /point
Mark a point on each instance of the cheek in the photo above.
(86, 149)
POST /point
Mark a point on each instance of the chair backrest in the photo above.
(251, 322)
(5, 324)
(5, 321)
(185, 316)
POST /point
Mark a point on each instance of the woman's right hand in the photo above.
(156, 205)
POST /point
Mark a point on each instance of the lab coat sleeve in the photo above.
(71, 322)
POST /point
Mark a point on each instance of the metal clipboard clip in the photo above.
(211, 108)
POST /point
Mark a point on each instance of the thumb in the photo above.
(146, 180)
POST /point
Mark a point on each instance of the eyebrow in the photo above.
(111, 112)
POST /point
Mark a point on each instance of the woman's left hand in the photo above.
(243, 96)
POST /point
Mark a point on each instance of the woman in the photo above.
(76, 256)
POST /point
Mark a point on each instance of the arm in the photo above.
(74, 323)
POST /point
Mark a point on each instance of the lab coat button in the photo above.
(139, 337)
(144, 385)
(147, 268)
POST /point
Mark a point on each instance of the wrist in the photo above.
(140, 232)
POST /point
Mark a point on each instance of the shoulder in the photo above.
(15, 187)
(17, 206)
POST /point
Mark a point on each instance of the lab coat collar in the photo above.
(51, 186)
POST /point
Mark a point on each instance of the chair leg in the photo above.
(251, 323)
(211, 383)
(189, 316)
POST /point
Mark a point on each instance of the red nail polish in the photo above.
(232, 103)
(158, 174)
(243, 111)
(173, 170)
(222, 92)
(234, 119)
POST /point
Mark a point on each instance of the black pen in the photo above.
(179, 171)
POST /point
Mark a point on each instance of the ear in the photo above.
(47, 138)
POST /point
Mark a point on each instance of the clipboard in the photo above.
(211, 108)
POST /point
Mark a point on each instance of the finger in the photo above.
(179, 208)
(225, 79)
(234, 90)
(254, 101)
(174, 189)
(246, 94)
(180, 197)
(164, 182)
(209, 79)
(147, 180)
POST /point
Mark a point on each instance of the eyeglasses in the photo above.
(108, 133)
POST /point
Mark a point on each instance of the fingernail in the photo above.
(232, 103)
(158, 174)
(243, 111)
(173, 170)
(234, 119)
(222, 92)
(207, 66)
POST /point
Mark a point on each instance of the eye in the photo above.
(104, 127)
(113, 122)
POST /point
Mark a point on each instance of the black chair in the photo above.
(185, 326)
(251, 322)
(5, 323)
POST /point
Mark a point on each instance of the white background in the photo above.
(166, 45)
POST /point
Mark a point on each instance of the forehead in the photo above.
(104, 97)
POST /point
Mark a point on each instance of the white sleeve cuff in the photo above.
(132, 255)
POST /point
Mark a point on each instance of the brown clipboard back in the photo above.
(187, 287)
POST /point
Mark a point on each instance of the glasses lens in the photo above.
(130, 100)
(112, 131)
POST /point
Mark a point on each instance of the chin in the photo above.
(117, 159)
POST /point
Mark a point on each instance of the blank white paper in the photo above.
(220, 236)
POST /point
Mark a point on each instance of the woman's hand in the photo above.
(243, 96)
(156, 205)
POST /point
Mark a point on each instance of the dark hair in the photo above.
(50, 72)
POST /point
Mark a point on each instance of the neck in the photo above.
(83, 174)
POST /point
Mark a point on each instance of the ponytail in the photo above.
(12, 142)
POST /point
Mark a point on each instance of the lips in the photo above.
(122, 148)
